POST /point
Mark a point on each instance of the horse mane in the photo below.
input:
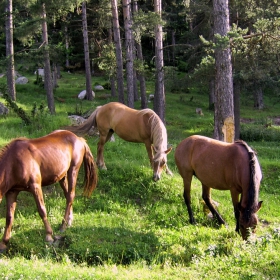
(158, 133)
(252, 193)
(6, 148)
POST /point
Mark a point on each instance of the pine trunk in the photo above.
(10, 51)
(117, 41)
(140, 75)
(86, 51)
(224, 112)
(129, 52)
(159, 97)
(47, 66)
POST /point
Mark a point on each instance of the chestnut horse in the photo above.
(139, 126)
(222, 166)
(29, 164)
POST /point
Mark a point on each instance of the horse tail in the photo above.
(85, 127)
(90, 178)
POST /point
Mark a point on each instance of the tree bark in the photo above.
(159, 97)
(112, 77)
(86, 51)
(129, 52)
(117, 41)
(141, 77)
(224, 112)
(211, 94)
(236, 93)
(47, 66)
(10, 50)
(258, 97)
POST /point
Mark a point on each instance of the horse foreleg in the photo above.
(38, 196)
(235, 199)
(149, 150)
(69, 219)
(187, 196)
(70, 195)
(11, 198)
(206, 195)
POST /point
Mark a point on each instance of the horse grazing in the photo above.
(29, 164)
(222, 166)
(139, 126)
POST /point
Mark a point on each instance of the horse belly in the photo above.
(213, 176)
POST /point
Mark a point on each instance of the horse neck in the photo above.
(3, 185)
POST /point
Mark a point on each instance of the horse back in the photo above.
(46, 159)
(126, 122)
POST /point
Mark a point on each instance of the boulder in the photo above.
(40, 72)
(21, 80)
(83, 93)
(99, 87)
(3, 109)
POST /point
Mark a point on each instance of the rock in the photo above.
(40, 72)
(83, 93)
(99, 87)
(3, 109)
(21, 80)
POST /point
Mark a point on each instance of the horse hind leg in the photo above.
(68, 186)
(11, 198)
(187, 195)
(104, 137)
(68, 220)
(38, 196)
(206, 195)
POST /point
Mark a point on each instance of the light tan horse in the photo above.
(29, 164)
(222, 166)
(131, 125)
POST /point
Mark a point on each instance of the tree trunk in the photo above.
(159, 97)
(67, 64)
(224, 112)
(140, 75)
(129, 52)
(236, 93)
(86, 51)
(117, 40)
(212, 94)
(47, 66)
(112, 75)
(258, 97)
(10, 50)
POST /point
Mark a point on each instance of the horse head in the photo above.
(248, 220)
(160, 162)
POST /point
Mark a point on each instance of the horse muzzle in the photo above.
(156, 177)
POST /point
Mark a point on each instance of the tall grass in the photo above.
(132, 227)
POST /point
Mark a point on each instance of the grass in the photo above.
(132, 227)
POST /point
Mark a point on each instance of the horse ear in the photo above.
(168, 150)
(259, 206)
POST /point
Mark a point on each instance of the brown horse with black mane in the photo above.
(223, 166)
(139, 126)
(29, 164)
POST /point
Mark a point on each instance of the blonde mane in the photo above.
(158, 134)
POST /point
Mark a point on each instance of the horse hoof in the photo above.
(49, 239)
(58, 237)
(3, 249)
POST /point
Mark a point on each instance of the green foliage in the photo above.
(18, 110)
